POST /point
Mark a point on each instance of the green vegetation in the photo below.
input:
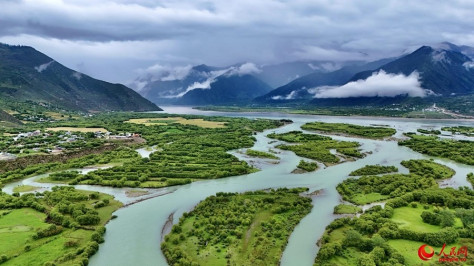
(374, 170)
(428, 168)
(236, 229)
(298, 137)
(349, 129)
(470, 178)
(118, 155)
(368, 189)
(186, 152)
(63, 226)
(307, 166)
(457, 150)
(347, 209)
(429, 132)
(312, 110)
(64, 176)
(317, 147)
(417, 212)
(463, 130)
(24, 188)
(180, 120)
(260, 154)
(355, 241)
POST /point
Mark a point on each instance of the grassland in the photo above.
(350, 129)
(347, 209)
(410, 217)
(49, 231)
(416, 212)
(236, 229)
(24, 188)
(180, 120)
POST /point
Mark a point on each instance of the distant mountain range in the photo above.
(431, 72)
(26, 74)
(204, 85)
(445, 70)
(298, 89)
(227, 89)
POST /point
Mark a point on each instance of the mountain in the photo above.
(229, 88)
(167, 88)
(298, 88)
(445, 72)
(463, 49)
(26, 74)
(278, 75)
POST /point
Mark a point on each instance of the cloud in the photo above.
(320, 53)
(290, 96)
(327, 66)
(43, 67)
(77, 75)
(380, 84)
(468, 65)
(115, 37)
(244, 69)
(439, 56)
(211, 78)
(164, 73)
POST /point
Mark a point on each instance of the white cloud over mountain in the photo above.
(379, 84)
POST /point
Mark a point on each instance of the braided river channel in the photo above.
(134, 237)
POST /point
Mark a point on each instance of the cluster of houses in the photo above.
(66, 137)
(27, 135)
(123, 136)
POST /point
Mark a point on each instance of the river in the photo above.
(134, 237)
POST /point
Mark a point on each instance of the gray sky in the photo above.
(116, 40)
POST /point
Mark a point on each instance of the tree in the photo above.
(446, 218)
(353, 238)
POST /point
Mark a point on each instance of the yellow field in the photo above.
(80, 129)
(180, 120)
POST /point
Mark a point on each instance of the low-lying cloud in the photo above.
(380, 84)
(290, 96)
(43, 67)
(468, 65)
(77, 75)
(211, 78)
(165, 73)
(244, 69)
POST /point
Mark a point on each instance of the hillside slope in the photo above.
(26, 74)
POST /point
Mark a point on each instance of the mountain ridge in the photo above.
(27, 74)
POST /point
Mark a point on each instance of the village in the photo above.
(52, 141)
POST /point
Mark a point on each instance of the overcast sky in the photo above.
(116, 39)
